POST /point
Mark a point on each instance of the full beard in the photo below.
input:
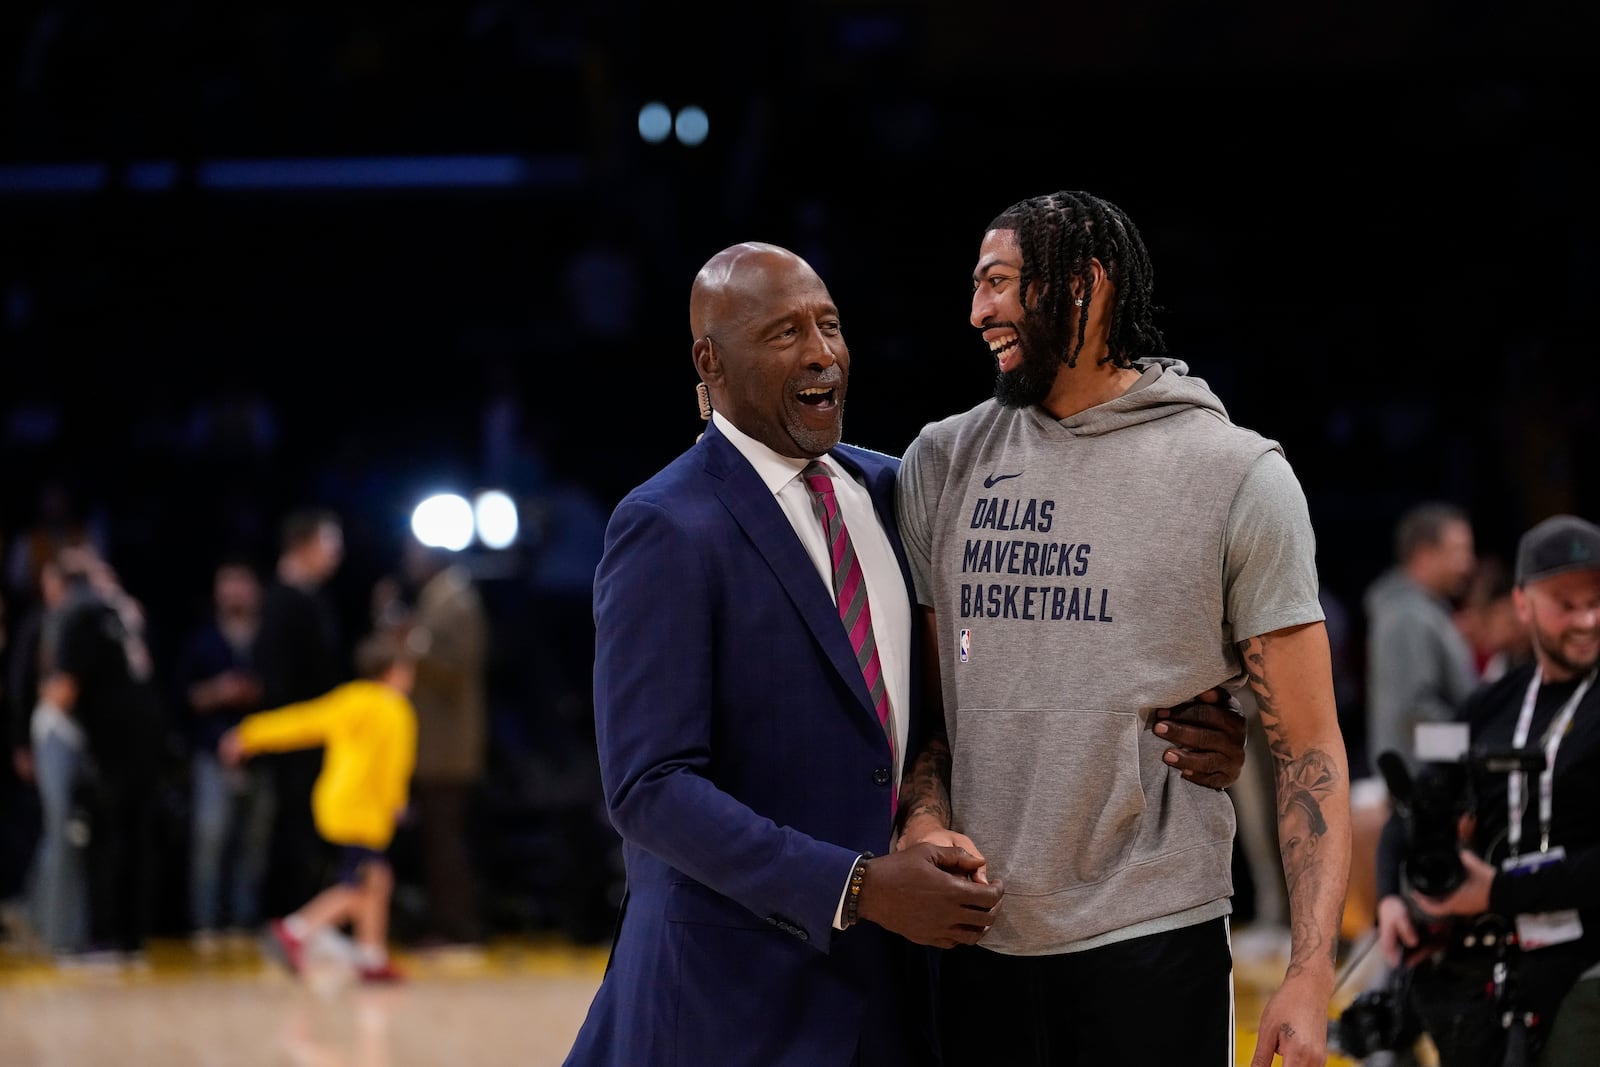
(1030, 383)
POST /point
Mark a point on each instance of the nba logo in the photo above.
(966, 645)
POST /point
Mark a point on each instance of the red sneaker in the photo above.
(289, 949)
(383, 972)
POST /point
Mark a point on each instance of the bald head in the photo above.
(731, 273)
(768, 345)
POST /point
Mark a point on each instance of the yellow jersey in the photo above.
(368, 733)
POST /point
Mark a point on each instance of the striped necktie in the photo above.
(850, 590)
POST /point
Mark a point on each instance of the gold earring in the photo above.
(703, 395)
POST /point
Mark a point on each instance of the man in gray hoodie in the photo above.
(1098, 541)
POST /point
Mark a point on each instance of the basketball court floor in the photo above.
(511, 1004)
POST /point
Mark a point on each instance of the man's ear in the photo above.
(706, 360)
(1097, 283)
(1519, 602)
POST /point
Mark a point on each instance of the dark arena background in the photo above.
(258, 257)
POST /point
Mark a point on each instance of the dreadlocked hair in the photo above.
(1058, 234)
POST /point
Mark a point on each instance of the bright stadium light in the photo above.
(496, 515)
(692, 125)
(655, 122)
(444, 520)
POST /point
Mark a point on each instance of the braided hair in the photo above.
(1058, 234)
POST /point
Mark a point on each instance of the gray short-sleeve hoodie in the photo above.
(1085, 571)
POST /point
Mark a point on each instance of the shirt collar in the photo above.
(774, 470)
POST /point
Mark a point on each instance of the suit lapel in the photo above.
(756, 511)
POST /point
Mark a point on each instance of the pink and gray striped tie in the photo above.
(850, 590)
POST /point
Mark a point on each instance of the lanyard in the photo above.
(1517, 781)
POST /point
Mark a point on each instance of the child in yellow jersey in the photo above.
(368, 731)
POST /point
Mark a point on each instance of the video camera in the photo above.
(1430, 805)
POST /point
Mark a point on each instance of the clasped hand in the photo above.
(931, 894)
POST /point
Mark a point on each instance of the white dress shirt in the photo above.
(886, 588)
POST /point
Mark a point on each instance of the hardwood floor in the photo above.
(515, 1003)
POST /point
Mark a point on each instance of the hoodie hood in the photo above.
(1165, 387)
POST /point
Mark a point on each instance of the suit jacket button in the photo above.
(801, 934)
(881, 776)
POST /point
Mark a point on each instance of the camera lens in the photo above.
(1435, 873)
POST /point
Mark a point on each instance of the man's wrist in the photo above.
(922, 820)
(852, 894)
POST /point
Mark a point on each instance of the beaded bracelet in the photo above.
(852, 899)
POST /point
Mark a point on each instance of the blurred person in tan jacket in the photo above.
(436, 605)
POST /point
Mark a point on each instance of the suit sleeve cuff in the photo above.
(838, 911)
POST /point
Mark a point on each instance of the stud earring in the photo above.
(703, 395)
(1078, 303)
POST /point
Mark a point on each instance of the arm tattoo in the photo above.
(1303, 783)
(927, 787)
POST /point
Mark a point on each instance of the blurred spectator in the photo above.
(100, 684)
(300, 654)
(231, 808)
(1488, 620)
(1419, 666)
(1419, 669)
(47, 749)
(23, 667)
(19, 807)
(448, 634)
(59, 521)
(22, 670)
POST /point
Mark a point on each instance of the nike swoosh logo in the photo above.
(994, 479)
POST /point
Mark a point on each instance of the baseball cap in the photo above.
(1559, 544)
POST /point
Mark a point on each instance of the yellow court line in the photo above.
(175, 960)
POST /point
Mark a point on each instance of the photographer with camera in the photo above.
(1502, 950)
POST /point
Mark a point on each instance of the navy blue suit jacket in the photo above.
(745, 769)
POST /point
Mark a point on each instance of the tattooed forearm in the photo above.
(927, 788)
(1308, 784)
(1306, 943)
(1305, 786)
